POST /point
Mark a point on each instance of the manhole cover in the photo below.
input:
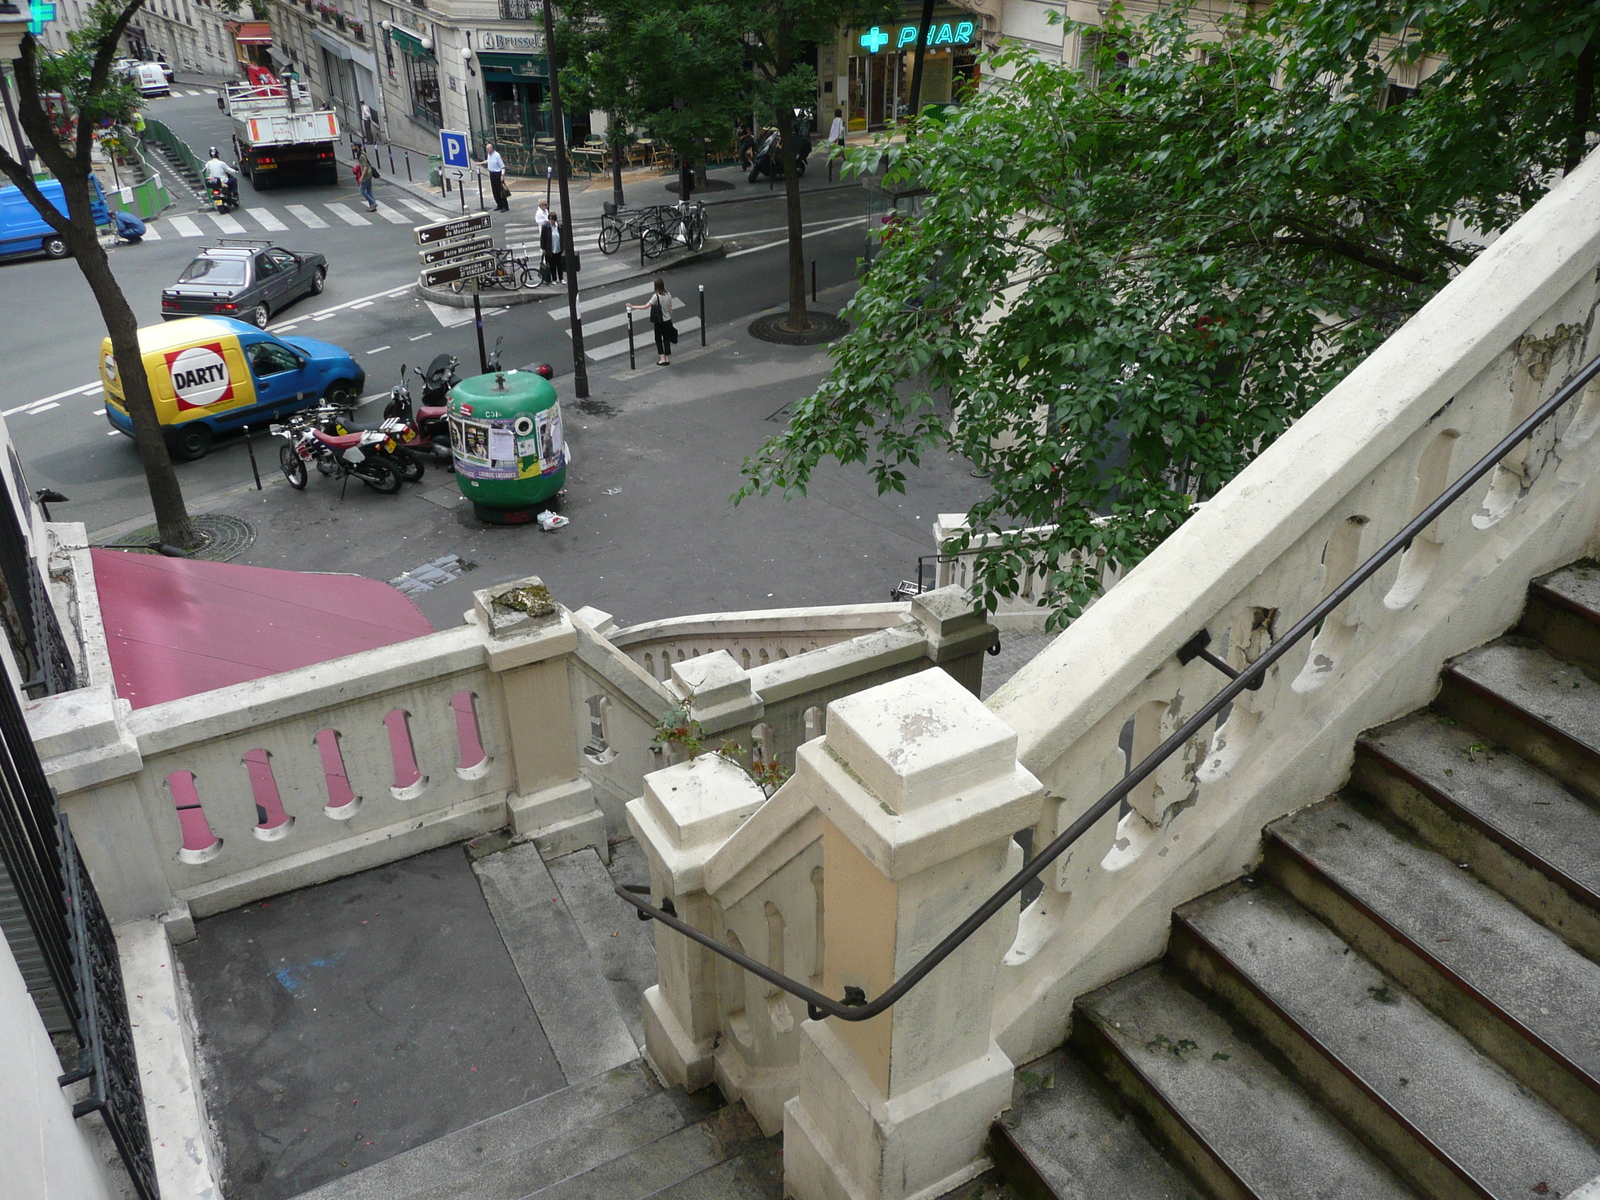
(222, 538)
(825, 327)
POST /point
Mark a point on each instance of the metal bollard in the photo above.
(813, 281)
(632, 366)
(391, 158)
(254, 470)
(702, 314)
(406, 154)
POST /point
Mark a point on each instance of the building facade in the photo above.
(188, 35)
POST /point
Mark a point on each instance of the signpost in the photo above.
(452, 227)
(455, 155)
(455, 248)
(458, 250)
(467, 269)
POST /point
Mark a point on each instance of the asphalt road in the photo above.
(52, 328)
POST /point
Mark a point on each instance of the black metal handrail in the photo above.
(856, 1007)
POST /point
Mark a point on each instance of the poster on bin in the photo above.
(522, 448)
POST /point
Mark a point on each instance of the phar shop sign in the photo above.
(200, 376)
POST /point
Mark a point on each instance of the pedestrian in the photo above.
(836, 131)
(497, 173)
(550, 243)
(541, 215)
(369, 123)
(661, 305)
(366, 176)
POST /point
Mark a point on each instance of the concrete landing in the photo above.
(346, 1023)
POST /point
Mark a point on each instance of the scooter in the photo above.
(224, 198)
(769, 157)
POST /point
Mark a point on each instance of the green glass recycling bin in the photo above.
(505, 433)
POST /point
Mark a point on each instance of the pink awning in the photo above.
(177, 626)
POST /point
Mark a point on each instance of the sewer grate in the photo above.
(222, 538)
(825, 327)
(431, 575)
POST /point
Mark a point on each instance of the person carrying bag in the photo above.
(661, 305)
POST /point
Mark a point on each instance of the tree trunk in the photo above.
(1582, 107)
(616, 175)
(798, 320)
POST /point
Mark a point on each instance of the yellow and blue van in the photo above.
(213, 375)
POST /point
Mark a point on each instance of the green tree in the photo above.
(86, 96)
(672, 67)
(1125, 282)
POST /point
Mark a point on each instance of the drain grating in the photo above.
(222, 538)
(431, 575)
(825, 327)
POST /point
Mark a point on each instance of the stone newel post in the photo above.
(921, 791)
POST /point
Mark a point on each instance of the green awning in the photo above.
(512, 68)
(409, 42)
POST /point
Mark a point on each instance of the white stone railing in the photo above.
(1504, 335)
(754, 639)
(911, 841)
(954, 567)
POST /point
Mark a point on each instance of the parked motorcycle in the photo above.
(769, 154)
(364, 455)
(407, 460)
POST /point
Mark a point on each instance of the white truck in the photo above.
(277, 134)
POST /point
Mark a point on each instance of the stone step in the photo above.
(1563, 612)
(570, 996)
(620, 944)
(1516, 990)
(754, 1174)
(661, 1164)
(449, 1159)
(1450, 1120)
(1225, 1113)
(1545, 708)
(1518, 830)
(1063, 1139)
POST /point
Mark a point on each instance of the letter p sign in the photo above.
(453, 148)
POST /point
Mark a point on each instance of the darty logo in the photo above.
(200, 376)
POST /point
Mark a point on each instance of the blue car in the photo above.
(212, 375)
(24, 231)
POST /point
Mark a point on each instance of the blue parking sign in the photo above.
(453, 149)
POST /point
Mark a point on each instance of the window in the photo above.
(422, 75)
(214, 270)
(281, 260)
(269, 358)
(266, 266)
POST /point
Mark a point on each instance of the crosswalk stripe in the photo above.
(226, 223)
(393, 216)
(345, 215)
(426, 210)
(643, 345)
(151, 234)
(185, 227)
(192, 92)
(265, 217)
(308, 218)
(590, 306)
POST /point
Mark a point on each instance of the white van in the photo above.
(151, 80)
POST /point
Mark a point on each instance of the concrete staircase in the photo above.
(1404, 1002)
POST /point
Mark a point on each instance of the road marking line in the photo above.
(325, 317)
(185, 227)
(345, 215)
(285, 328)
(395, 291)
(112, 432)
(785, 241)
(265, 217)
(226, 223)
(426, 210)
(378, 350)
(84, 390)
(393, 216)
(35, 409)
(363, 304)
(419, 337)
(306, 217)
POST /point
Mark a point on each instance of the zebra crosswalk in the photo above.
(261, 218)
(605, 323)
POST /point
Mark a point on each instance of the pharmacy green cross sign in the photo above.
(875, 39)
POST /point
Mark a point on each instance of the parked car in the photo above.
(212, 375)
(247, 280)
(151, 80)
(24, 231)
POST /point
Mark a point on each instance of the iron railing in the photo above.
(856, 1007)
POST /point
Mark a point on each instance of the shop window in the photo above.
(422, 76)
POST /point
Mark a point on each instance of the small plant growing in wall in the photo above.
(678, 731)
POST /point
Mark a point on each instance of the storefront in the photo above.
(515, 86)
(252, 42)
(875, 87)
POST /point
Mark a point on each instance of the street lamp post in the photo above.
(569, 257)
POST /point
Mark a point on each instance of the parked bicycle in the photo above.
(658, 227)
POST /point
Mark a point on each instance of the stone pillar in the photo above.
(686, 812)
(920, 791)
(958, 636)
(527, 638)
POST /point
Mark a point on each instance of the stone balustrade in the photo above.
(953, 567)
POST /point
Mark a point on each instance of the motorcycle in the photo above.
(407, 456)
(365, 455)
(224, 197)
(769, 156)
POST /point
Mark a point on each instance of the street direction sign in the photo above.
(439, 231)
(455, 172)
(454, 249)
(472, 268)
(453, 149)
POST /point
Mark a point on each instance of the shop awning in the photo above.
(177, 627)
(508, 68)
(254, 33)
(409, 42)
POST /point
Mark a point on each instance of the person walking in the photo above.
(836, 130)
(497, 174)
(550, 243)
(369, 123)
(661, 304)
(366, 176)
